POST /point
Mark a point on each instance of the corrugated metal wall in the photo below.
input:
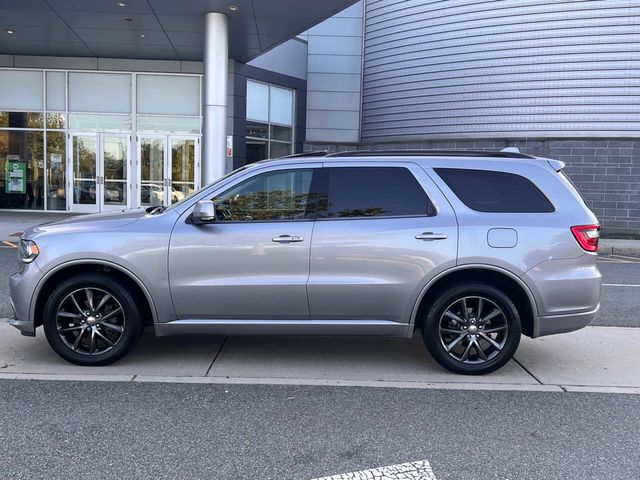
(506, 68)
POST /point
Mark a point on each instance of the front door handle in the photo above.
(431, 236)
(287, 239)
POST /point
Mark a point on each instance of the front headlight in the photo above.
(28, 251)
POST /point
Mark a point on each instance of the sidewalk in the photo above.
(12, 224)
(595, 359)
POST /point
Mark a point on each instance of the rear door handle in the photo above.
(431, 236)
(287, 239)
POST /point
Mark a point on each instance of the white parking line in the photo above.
(620, 285)
(420, 470)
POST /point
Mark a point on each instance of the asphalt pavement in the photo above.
(154, 431)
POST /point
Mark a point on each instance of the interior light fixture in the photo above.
(121, 4)
(141, 35)
(10, 32)
(232, 8)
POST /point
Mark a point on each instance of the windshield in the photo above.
(191, 195)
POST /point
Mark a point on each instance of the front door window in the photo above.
(280, 195)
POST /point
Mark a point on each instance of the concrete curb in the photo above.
(227, 381)
(611, 250)
(618, 246)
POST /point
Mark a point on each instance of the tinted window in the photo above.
(500, 192)
(375, 191)
(278, 195)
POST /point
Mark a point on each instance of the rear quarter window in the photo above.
(495, 192)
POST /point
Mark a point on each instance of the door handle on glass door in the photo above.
(287, 239)
(431, 236)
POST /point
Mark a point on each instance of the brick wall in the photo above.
(606, 171)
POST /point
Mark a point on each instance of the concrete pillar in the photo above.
(216, 66)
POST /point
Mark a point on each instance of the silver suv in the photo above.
(472, 248)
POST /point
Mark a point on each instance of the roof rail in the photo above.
(316, 153)
(429, 153)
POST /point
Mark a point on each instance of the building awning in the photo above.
(152, 29)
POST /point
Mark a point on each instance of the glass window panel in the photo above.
(168, 94)
(376, 191)
(100, 92)
(257, 130)
(115, 170)
(280, 149)
(56, 171)
(256, 150)
(22, 170)
(56, 120)
(84, 169)
(284, 134)
(21, 120)
(78, 121)
(281, 195)
(21, 90)
(56, 89)
(257, 101)
(151, 124)
(281, 107)
(183, 160)
(152, 171)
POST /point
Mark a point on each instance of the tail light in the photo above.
(587, 236)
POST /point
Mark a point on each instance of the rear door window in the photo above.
(376, 192)
(496, 192)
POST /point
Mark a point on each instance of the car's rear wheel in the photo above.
(472, 328)
(92, 319)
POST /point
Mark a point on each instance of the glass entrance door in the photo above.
(84, 173)
(99, 172)
(114, 183)
(183, 167)
(169, 168)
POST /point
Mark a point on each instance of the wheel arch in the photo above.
(65, 270)
(510, 283)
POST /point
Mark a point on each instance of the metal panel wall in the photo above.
(334, 77)
(508, 68)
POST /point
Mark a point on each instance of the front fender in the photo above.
(95, 261)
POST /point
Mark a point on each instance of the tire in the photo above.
(109, 330)
(478, 343)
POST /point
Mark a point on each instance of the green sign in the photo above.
(16, 177)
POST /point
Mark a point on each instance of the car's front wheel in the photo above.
(472, 328)
(92, 319)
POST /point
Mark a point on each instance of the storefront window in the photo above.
(21, 120)
(56, 120)
(22, 172)
(269, 121)
(67, 143)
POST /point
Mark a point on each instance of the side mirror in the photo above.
(204, 212)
